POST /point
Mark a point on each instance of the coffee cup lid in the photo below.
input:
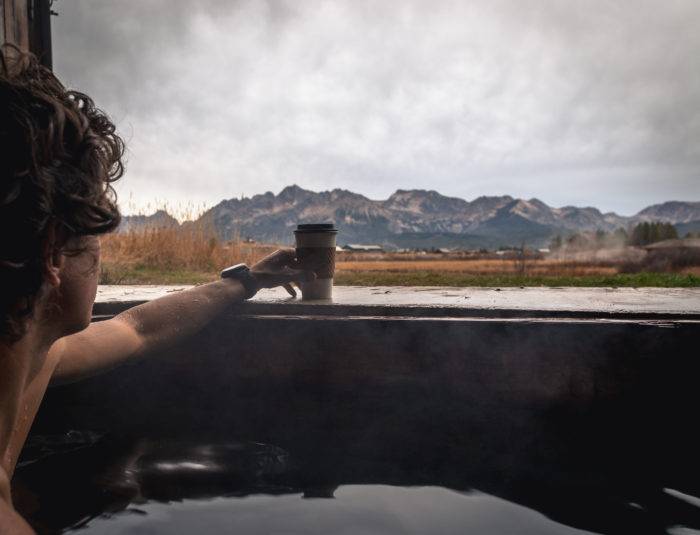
(316, 227)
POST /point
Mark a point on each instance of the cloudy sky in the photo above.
(584, 103)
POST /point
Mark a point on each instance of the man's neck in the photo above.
(19, 363)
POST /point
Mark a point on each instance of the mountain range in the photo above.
(417, 218)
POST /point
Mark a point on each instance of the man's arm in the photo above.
(154, 326)
(10, 522)
(145, 329)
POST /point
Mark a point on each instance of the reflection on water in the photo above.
(175, 486)
(365, 509)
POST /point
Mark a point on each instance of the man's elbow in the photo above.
(11, 523)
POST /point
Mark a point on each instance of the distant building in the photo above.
(543, 250)
(362, 248)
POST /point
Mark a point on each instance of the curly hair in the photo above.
(59, 155)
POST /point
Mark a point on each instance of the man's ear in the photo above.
(53, 258)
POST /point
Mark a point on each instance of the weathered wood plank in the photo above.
(652, 303)
(2, 22)
(16, 23)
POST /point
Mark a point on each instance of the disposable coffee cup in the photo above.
(315, 244)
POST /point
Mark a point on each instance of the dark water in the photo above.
(512, 480)
(481, 427)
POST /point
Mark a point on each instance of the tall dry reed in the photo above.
(193, 247)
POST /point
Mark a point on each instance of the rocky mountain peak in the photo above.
(533, 209)
(293, 194)
(424, 202)
(343, 195)
(416, 217)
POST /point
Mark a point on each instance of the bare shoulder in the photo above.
(56, 351)
(10, 522)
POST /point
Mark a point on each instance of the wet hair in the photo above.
(59, 155)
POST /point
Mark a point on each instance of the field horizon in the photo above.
(195, 255)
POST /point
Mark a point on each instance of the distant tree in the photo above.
(620, 235)
(600, 237)
(555, 243)
(578, 241)
(646, 233)
(669, 232)
(640, 234)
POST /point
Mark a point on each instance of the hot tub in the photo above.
(387, 411)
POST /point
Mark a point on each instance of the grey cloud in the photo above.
(586, 102)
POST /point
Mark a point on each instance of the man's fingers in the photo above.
(284, 257)
(290, 276)
(300, 275)
(273, 274)
(290, 289)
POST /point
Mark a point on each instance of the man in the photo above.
(58, 157)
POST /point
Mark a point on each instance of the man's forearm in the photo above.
(162, 323)
(170, 319)
(141, 331)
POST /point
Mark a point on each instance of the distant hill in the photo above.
(416, 218)
(685, 228)
(671, 212)
(160, 219)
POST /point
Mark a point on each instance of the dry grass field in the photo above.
(193, 255)
(477, 266)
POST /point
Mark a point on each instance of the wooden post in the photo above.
(27, 25)
(16, 22)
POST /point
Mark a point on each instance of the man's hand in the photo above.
(281, 268)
